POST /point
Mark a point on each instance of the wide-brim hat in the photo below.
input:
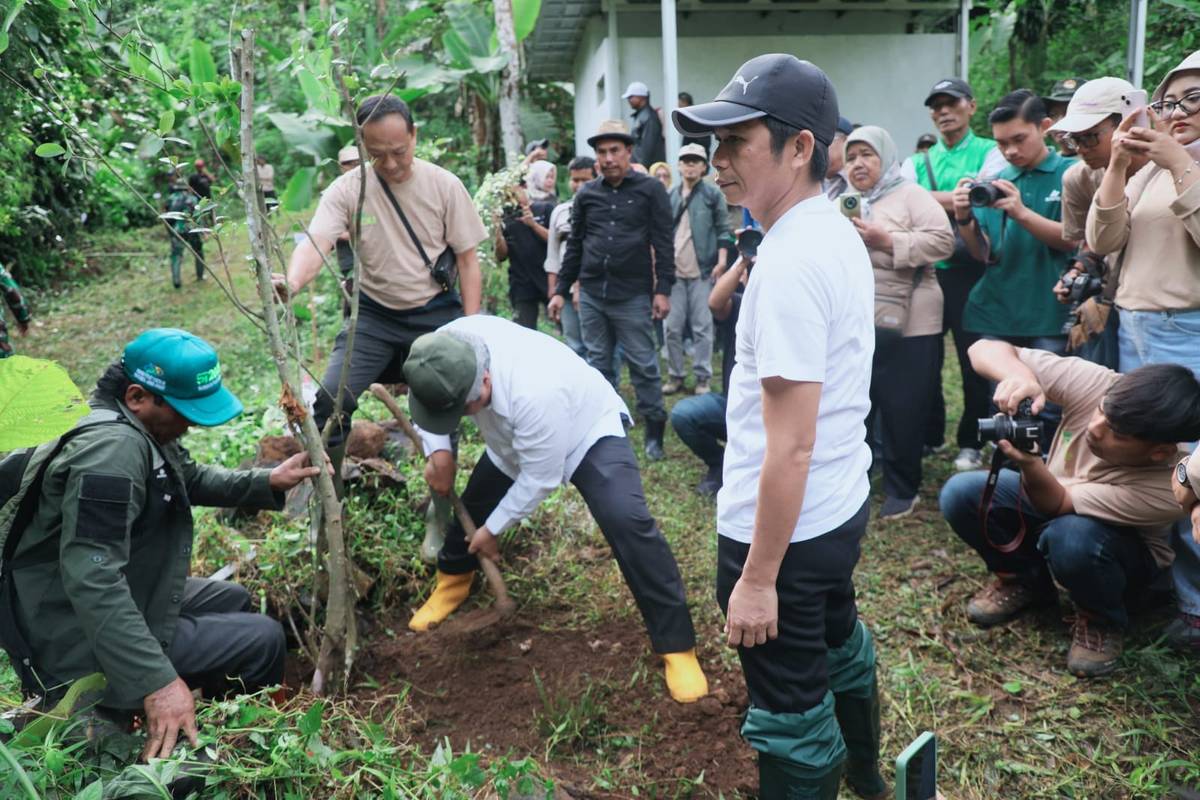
(611, 129)
(1189, 64)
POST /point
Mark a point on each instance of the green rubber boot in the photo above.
(786, 780)
(856, 704)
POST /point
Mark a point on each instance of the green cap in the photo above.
(1064, 90)
(184, 370)
(440, 371)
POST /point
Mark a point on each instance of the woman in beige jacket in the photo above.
(906, 232)
(1153, 221)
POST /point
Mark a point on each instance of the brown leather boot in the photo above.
(1003, 600)
(1095, 647)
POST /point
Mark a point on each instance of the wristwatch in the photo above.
(1181, 471)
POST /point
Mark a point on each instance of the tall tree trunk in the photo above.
(510, 80)
(381, 13)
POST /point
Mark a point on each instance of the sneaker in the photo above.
(894, 508)
(673, 386)
(1095, 648)
(968, 458)
(1001, 601)
(1183, 633)
(710, 484)
(701, 387)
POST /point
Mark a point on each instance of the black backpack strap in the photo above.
(686, 203)
(407, 225)
(933, 184)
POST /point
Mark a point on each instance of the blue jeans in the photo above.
(1097, 562)
(700, 423)
(1168, 337)
(609, 323)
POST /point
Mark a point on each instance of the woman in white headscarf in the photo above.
(540, 181)
(906, 232)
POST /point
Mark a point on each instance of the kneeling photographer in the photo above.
(1094, 516)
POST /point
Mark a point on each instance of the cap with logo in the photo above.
(636, 89)
(1189, 64)
(778, 85)
(611, 129)
(693, 150)
(183, 369)
(440, 371)
(535, 144)
(954, 87)
(1064, 90)
(1093, 103)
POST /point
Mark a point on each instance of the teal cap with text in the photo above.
(184, 370)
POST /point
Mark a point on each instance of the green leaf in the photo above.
(319, 96)
(150, 146)
(1012, 687)
(38, 401)
(525, 16)
(202, 68)
(166, 121)
(49, 150)
(93, 791)
(301, 312)
(3, 41)
(62, 5)
(310, 723)
(299, 192)
(473, 27)
(301, 134)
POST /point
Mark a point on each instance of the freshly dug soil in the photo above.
(473, 681)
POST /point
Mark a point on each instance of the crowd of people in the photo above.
(828, 267)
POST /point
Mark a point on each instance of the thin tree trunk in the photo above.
(340, 632)
(510, 80)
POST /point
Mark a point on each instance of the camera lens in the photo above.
(983, 195)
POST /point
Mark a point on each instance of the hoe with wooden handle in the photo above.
(504, 603)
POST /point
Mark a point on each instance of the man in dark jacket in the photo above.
(101, 572)
(649, 147)
(616, 221)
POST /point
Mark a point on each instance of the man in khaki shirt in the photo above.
(1095, 516)
(400, 299)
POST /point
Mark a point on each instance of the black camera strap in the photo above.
(985, 507)
(407, 225)
(686, 203)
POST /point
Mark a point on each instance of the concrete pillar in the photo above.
(670, 82)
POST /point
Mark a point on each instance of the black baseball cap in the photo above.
(778, 85)
(955, 87)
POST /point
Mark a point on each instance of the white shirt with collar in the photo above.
(548, 407)
(808, 315)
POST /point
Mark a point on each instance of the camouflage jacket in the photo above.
(16, 304)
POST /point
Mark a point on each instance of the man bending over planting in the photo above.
(547, 418)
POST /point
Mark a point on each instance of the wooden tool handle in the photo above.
(504, 603)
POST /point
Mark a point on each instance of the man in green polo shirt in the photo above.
(1019, 235)
(957, 154)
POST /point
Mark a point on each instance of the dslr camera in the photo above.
(984, 194)
(1022, 429)
(748, 241)
(1088, 283)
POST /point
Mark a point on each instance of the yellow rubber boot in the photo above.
(685, 679)
(449, 594)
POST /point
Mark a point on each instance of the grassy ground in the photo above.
(1011, 721)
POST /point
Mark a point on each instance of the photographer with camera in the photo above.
(419, 233)
(906, 232)
(521, 235)
(1153, 221)
(1092, 116)
(1094, 516)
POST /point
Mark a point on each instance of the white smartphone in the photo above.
(1134, 105)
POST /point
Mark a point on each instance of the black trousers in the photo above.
(611, 485)
(956, 283)
(381, 344)
(817, 612)
(220, 644)
(902, 390)
(525, 312)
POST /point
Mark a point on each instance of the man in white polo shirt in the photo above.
(547, 418)
(793, 507)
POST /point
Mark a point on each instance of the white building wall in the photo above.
(591, 91)
(881, 78)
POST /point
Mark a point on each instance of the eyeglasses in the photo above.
(1089, 139)
(1166, 108)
